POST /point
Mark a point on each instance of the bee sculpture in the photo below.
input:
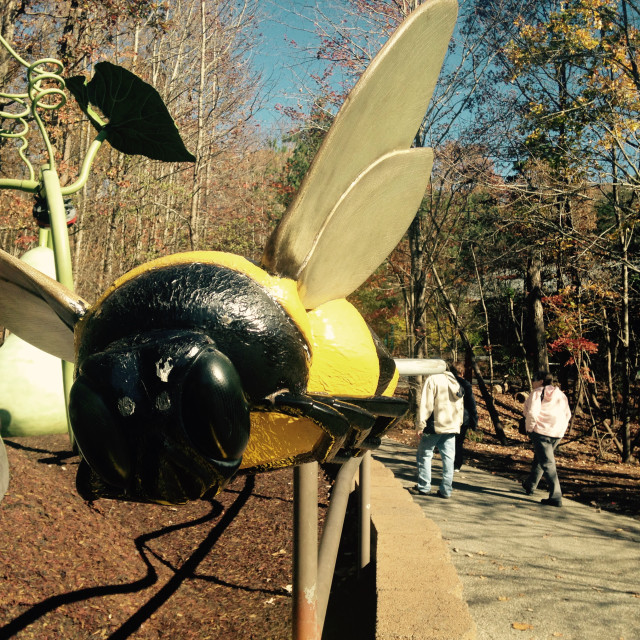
(197, 366)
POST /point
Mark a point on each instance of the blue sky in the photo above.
(285, 67)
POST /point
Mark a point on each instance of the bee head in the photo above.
(159, 417)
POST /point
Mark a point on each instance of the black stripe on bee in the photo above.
(385, 362)
(239, 315)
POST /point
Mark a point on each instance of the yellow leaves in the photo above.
(566, 244)
(522, 626)
(633, 125)
(532, 33)
(579, 28)
(583, 39)
(534, 136)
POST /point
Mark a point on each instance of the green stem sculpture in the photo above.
(47, 98)
(138, 123)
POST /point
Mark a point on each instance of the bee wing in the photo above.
(37, 308)
(381, 115)
(364, 227)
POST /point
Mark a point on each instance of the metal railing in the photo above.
(315, 560)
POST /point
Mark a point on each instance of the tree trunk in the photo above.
(520, 341)
(535, 316)
(486, 315)
(110, 242)
(194, 217)
(414, 296)
(486, 396)
(607, 335)
(624, 238)
(625, 418)
(8, 13)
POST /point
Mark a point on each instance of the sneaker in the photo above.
(417, 492)
(551, 502)
(441, 495)
(528, 490)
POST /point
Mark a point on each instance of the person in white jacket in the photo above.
(547, 416)
(440, 417)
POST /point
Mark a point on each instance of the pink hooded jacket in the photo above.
(549, 416)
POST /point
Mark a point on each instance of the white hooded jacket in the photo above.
(442, 396)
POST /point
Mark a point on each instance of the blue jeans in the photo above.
(446, 443)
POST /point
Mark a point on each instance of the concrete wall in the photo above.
(418, 590)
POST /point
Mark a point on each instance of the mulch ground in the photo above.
(211, 569)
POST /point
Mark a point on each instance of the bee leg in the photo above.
(332, 422)
(387, 411)
(360, 420)
(322, 413)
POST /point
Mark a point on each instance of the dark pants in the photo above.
(459, 459)
(544, 464)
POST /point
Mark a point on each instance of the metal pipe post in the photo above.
(364, 503)
(331, 535)
(58, 219)
(305, 551)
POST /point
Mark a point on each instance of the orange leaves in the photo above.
(573, 345)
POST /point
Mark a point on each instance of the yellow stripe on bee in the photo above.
(278, 440)
(283, 290)
(393, 383)
(345, 360)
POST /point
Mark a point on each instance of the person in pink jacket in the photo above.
(547, 415)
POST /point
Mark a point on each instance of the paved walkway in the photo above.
(529, 571)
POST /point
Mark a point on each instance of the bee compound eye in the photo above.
(215, 411)
(99, 436)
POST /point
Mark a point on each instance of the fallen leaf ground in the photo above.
(211, 569)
